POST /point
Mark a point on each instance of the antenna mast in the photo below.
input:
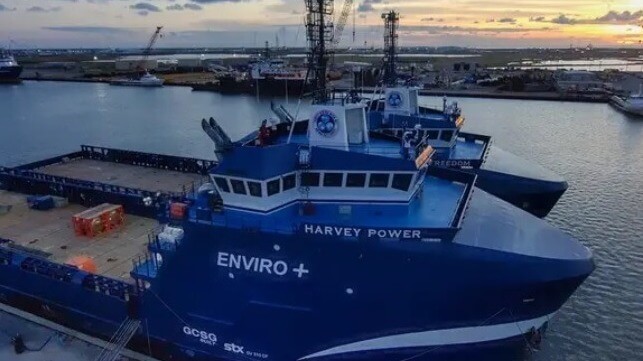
(320, 34)
(391, 24)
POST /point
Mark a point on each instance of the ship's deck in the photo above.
(462, 150)
(467, 150)
(125, 175)
(436, 207)
(50, 233)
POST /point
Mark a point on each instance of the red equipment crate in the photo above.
(97, 220)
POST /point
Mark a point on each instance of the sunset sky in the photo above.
(227, 23)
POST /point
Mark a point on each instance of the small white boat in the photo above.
(145, 80)
(631, 105)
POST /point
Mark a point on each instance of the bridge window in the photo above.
(446, 135)
(238, 186)
(355, 180)
(432, 134)
(333, 179)
(310, 179)
(273, 187)
(402, 181)
(289, 182)
(254, 188)
(222, 183)
(378, 180)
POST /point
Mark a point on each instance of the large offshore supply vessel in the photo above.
(308, 240)
(316, 248)
(294, 250)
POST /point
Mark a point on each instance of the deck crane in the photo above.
(141, 65)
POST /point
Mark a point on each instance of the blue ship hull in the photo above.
(524, 184)
(91, 318)
(537, 197)
(324, 301)
(10, 74)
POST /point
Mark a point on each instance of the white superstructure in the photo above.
(632, 104)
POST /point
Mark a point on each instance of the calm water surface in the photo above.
(598, 150)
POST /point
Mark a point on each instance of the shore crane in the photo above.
(141, 65)
(341, 23)
(339, 28)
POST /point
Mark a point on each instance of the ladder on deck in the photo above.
(119, 340)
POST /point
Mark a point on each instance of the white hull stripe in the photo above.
(453, 336)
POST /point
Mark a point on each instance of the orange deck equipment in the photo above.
(83, 263)
(100, 219)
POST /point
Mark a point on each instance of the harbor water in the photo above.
(598, 150)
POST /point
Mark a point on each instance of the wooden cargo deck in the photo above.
(51, 232)
(125, 175)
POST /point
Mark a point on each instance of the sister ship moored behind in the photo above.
(398, 112)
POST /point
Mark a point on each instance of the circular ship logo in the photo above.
(326, 123)
(395, 99)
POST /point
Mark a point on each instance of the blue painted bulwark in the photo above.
(152, 160)
(147, 203)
